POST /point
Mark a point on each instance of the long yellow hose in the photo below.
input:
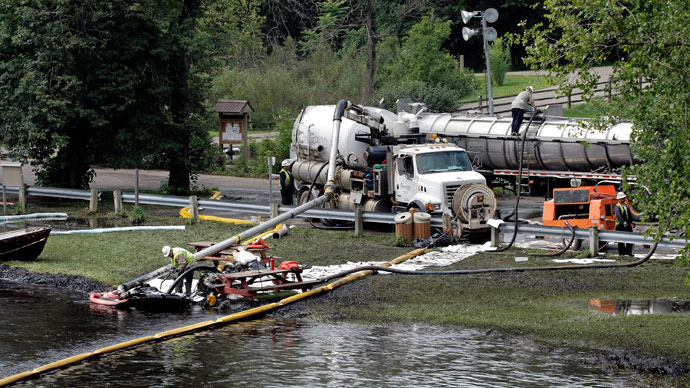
(198, 326)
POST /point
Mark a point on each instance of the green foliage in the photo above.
(422, 57)
(439, 97)
(136, 215)
(499, 55)
(328, 30)
(283, 81)
(233, 29)
(649, 41)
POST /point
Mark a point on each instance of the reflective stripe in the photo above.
(623, 210)
(287, 176)
(188, 257)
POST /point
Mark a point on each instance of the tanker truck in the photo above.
(385, 165)
(558, 151)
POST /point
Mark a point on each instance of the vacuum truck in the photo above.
(384, 164)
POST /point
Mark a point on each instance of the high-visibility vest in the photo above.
(180, 254)
(624, 211)
(287, 176)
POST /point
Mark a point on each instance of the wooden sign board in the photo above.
(232, 130)
(12, 174)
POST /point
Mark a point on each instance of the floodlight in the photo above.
(491, 15)
(467, 33)
(466, 16)
(489, 34)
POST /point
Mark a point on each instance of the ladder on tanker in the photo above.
(524, 183)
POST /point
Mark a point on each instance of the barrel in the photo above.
(403, 226)
(422, 225)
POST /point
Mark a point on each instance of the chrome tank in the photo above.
(313, 131)
(556, 144)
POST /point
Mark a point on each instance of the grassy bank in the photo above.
(113, 258)
(551, 305)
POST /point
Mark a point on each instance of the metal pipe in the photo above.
(337, 120)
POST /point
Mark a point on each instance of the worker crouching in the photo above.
(181, 259)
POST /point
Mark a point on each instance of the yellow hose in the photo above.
(197, 326)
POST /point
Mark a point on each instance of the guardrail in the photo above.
(256, 209)
(344, 215)
(54, 192)
(583, 234)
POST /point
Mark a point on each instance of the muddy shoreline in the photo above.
(345, 295)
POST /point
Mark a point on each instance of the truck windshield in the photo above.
(433, 162)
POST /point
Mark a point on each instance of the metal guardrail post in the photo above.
(93, 201)
(194, 206)
(495, 237)
(274, 209)
(117, 200)
(359, 224)
(593, 241)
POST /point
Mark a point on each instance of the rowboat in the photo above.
(24, 244)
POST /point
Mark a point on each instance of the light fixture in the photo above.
(466, 16)
(489, 34)
(467, 33)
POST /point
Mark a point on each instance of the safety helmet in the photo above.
(620, 195)
(286, 162)
(166, 250)
(531, 89)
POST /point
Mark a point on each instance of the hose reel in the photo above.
(474, 203)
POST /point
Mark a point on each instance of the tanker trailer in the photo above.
(555, 148)
(383, 167)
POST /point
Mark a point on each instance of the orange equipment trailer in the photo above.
(582, 207)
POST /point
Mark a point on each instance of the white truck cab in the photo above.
(428, 175)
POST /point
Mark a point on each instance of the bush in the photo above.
(438, 98)
(499, 55)
(136, 215)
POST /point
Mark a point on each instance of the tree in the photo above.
(77, 85)
(647, 40)
(92, 81)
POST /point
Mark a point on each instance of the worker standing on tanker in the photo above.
(181, 259)
(519, 106)
(623, 223)
(287, 188)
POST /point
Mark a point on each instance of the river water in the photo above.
(40, 325)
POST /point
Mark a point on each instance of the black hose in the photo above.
(488, 270)
(567, 246)
(187, 271)
(517, 199)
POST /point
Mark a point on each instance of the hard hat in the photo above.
(531, 89)
(286, 162)
(620, 195)
(166, 250)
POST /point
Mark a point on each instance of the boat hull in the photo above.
(26, 244)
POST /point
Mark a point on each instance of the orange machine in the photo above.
(582, 207)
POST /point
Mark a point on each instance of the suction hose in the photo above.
(489, 270)
(189, 270)
(517, 198)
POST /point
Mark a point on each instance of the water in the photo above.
(41, 325)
